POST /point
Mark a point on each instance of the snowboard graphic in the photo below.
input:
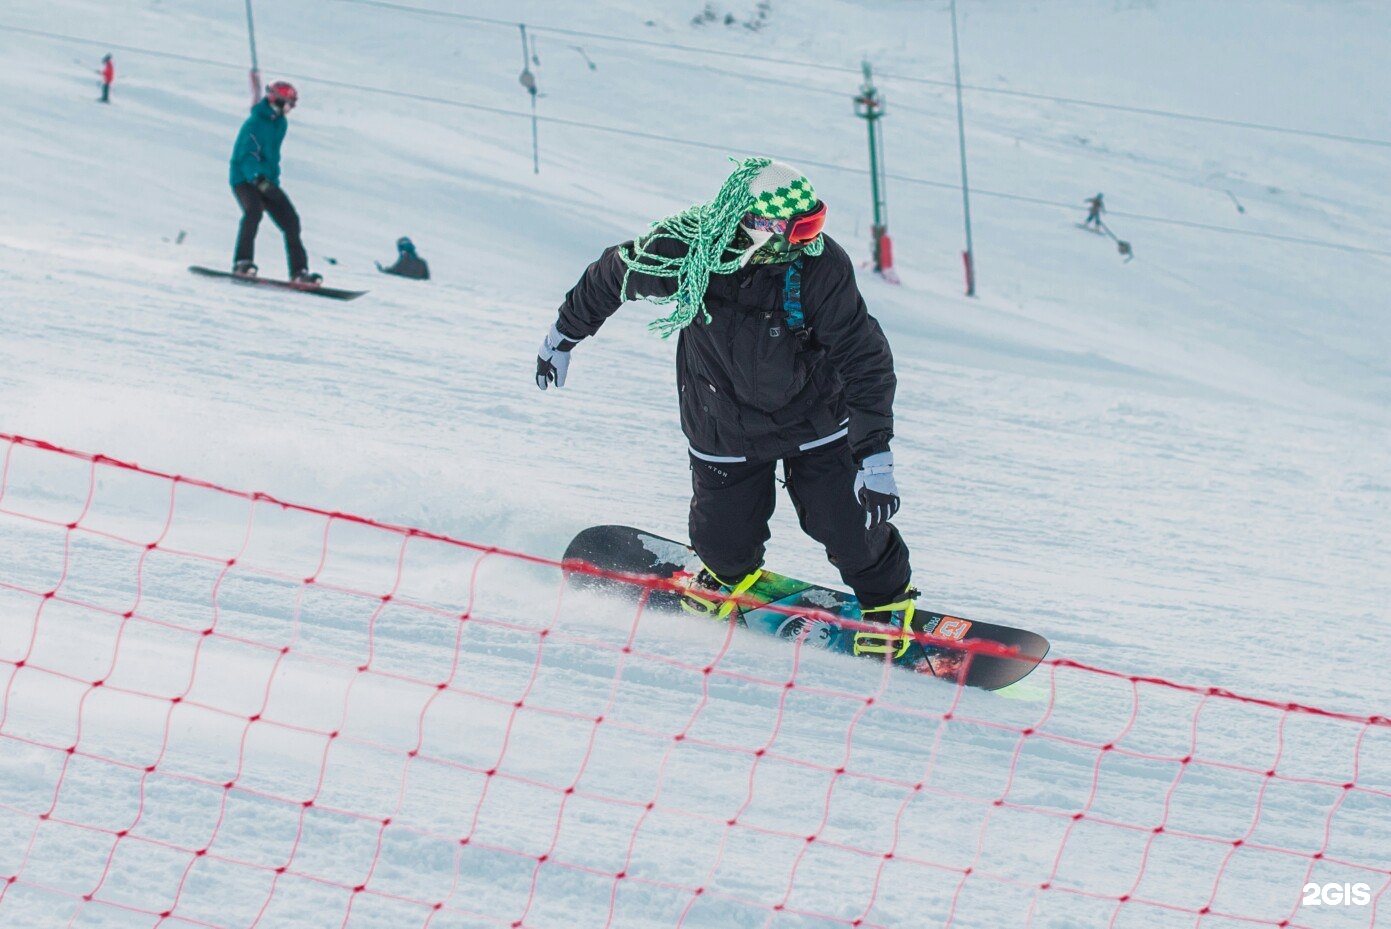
(626, 550)
(332, 293)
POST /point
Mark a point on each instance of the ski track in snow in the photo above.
(1176, 467)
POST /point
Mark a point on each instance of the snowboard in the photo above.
(629, 551)
(332, 293)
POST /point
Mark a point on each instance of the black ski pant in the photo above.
(254, 203)
(733, 501)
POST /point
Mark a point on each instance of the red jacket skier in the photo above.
(108, 74)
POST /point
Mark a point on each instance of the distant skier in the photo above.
(255, 177)
(408, 263)
(1094, 210)
(108, 75)
(778, 360)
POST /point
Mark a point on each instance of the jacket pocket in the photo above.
(710, 420)
(772, 363)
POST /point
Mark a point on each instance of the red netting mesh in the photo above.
(218, 709)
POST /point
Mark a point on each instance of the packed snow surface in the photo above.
(1177, 466)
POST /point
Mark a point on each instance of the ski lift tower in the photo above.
(869, 106)
(255, 68)
(528, 80)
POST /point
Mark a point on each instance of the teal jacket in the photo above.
(257, 152)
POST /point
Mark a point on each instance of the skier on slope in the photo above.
(1094, 210)
(255, 177)
(778, 359)
(108, 75)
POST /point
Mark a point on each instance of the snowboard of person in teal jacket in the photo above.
(257, 150)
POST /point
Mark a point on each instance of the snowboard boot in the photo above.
(899, 617)
(701, 594)
(308, 278)
(244, 268)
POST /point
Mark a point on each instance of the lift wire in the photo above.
(824, 66)
(697, 143)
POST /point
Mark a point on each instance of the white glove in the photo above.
(553, 359)
(876, 490)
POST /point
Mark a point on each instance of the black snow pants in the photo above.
(274, 201)
(733, 501)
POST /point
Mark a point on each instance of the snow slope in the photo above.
(1174, 467)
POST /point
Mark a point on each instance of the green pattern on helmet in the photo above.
(707, 230)
(785, 202)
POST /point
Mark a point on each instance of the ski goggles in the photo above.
(798, 230)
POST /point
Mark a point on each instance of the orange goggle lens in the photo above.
(803, 228)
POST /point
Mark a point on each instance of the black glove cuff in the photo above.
(860, 454)
(567, 341)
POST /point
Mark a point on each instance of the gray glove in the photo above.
(876, 490)
(263, 184)
(553, 359)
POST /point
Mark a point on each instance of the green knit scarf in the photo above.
(706, 229)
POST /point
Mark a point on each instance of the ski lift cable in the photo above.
(905, 78)
(696, 143)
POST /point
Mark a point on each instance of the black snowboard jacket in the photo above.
(409, 264)
(751, 389)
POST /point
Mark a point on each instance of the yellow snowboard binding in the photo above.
(899, 617)
(706, 594)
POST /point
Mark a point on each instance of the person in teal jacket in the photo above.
(255, 178)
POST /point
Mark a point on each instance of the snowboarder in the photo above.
(108, 74)
(777, 360)
(255, 177)
(408, 263)
(1094, 210)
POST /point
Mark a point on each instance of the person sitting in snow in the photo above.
(255, 177)
(408, 263)
(777, 360)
